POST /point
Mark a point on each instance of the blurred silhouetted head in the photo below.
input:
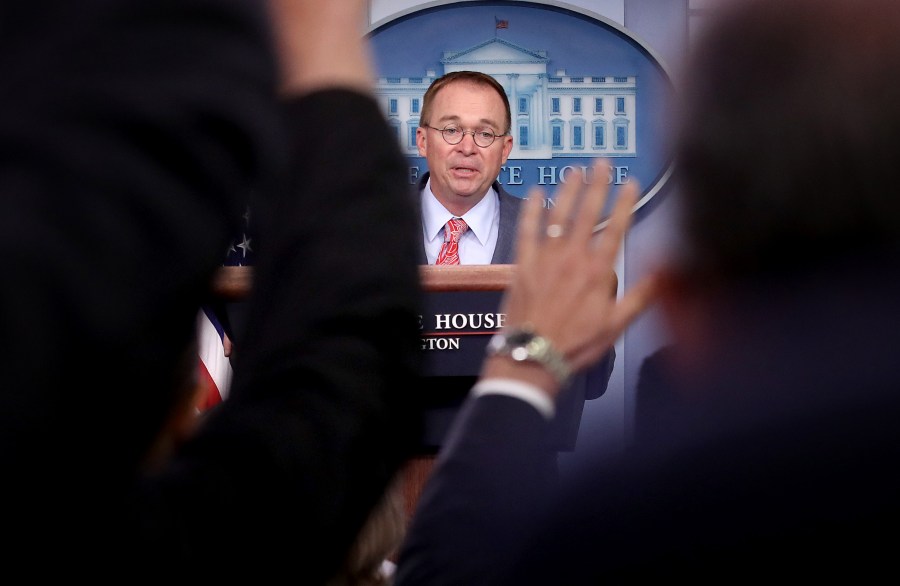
(789, 137)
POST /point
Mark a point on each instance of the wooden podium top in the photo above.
(466, 277)
(233, 283)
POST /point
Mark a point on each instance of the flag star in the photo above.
(246, 216)
(245, 245)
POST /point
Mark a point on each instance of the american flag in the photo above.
(498, 23)
(214, 366)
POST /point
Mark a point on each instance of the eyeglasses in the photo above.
(454, 135)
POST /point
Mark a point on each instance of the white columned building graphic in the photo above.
(554, 114)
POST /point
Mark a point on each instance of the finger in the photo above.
(634, 302)
(566, 198)
(592, 204)
(610, 239)
(620, 316)
(529, 231)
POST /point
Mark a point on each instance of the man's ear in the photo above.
(421, 143)
(507, 147)
(688, 312)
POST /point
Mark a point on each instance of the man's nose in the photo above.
(467, 143)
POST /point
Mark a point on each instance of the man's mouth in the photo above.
(464, 170)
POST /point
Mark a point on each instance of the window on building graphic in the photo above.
(556, 133)
(395, 126)
(576, 105)
(392, 105)
(412, 125)
(598, 105)
(578, 136)
(523, 105)
(414, 106)
(620, 105)
(621, 136)
(618, 79)
(523, 136)
(599, 136)
(554, 105)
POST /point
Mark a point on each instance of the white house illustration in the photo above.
(557, 115)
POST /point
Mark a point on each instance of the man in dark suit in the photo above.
(464, 136)
(133, 131)
(777, 459)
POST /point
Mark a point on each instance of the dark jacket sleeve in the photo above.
(494, 469)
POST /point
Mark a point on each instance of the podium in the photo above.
(460, 314)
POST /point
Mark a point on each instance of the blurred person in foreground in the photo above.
(780, 460)
(134, 132)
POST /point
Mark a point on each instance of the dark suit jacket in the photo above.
(589, 385)
(780, 459)
(133, 133)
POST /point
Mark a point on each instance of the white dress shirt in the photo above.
(518, 389)
(476, 246)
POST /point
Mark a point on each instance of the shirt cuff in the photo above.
(518, 389)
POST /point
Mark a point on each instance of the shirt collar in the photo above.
(479, 218)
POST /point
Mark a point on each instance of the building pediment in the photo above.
(495, 51)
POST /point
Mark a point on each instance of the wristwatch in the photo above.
(523, 345)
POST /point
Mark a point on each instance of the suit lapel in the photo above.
(504, 253)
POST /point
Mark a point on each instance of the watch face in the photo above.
(519, 338)
(519, 353)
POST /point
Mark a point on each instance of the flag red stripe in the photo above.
(211, 395)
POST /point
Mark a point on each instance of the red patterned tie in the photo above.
(453, 230)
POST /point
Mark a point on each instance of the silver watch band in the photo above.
(522, 344)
